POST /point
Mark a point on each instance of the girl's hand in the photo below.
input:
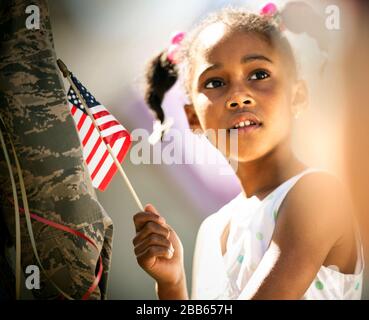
(158, 249)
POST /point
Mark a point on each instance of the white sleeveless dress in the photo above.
(251, 229)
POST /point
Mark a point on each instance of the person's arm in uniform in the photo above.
(34, 106)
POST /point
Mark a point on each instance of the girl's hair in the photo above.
(162, 74)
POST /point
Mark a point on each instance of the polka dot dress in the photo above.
(252, 222)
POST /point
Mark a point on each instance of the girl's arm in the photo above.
(172, 291)
(311, 222)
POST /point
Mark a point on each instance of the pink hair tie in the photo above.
(270, 11)
(175, 43)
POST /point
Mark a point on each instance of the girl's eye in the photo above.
(259, 75)
(214, 84)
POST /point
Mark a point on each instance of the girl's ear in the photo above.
(192, 118)
(300, 99)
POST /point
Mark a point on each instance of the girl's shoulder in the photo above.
(316, 187)
(311, 187)
(318, 200)
(317, 214)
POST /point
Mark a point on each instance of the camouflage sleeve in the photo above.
(34, 107)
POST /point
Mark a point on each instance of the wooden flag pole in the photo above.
(66, 73)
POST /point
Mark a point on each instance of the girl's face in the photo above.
(236, 78)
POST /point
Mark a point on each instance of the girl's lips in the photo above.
(247, 129)
(245, 117)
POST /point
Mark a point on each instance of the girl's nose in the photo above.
(239, 101)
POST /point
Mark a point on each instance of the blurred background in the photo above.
(107, 45)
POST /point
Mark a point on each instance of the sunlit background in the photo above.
(107, 45)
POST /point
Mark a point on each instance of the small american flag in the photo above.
(100, 164)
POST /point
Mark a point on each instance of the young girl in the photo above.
(289, 234)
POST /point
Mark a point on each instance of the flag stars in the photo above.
(75, 96)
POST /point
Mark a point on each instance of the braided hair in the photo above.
(161, 75)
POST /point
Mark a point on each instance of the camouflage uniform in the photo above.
(34, 107)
